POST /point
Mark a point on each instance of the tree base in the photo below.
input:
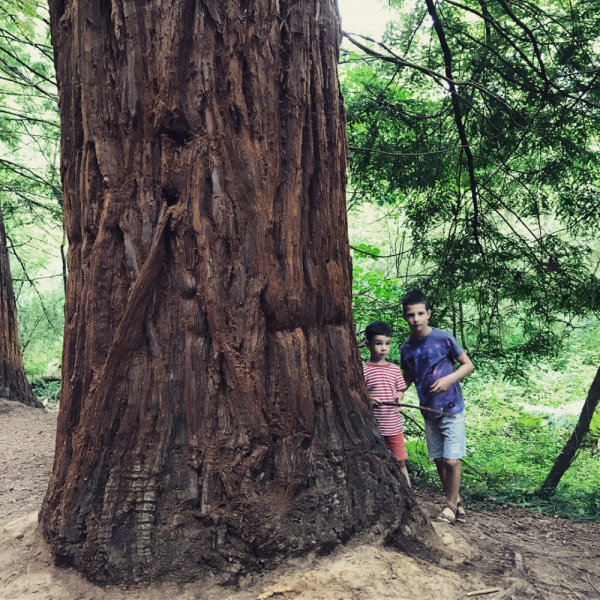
(347, 497)
(25, 397)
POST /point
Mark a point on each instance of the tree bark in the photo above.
(565, 458)
(213, 414)
(13, 381)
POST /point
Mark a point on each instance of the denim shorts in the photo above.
(446, 437)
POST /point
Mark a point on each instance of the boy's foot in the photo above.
(461, 515)
(448, 514)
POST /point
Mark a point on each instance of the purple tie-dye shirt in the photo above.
(429, 359)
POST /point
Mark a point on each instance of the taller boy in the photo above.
(427, 359)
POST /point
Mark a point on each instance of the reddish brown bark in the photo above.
(212, 415)
(13, 381)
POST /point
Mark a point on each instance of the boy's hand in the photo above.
(375, 401)
(399, 397)
(442, 385)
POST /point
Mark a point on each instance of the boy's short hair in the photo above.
(377, 328)
(415, 297)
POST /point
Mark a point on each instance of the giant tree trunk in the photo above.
(565, 458)
(13, 381)
(212, 416)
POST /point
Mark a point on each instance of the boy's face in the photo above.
(417, 316)
(379, 346)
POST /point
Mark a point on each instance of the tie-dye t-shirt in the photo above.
(429, 359)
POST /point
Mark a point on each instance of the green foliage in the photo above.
(41, 322)
(48, 391)
(494, 170)
(30, 192)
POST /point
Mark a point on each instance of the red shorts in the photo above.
(396, 445)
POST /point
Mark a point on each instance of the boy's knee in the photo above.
(450, 463)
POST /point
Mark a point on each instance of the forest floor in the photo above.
(523, 554)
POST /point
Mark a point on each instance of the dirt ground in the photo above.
(522, 554)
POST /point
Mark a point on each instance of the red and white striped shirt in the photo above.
(384, 382)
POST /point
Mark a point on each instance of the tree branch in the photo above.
(457, 117)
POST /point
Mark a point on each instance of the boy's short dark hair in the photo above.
(377, 328)
(415, 297)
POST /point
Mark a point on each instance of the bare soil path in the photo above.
(525, 555)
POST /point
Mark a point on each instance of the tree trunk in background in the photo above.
(213, 414)
(565, 458)
(13, 381)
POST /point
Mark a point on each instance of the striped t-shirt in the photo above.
(383, 382)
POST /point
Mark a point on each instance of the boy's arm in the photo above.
(409, 378)
(400, 383)
(444, 383)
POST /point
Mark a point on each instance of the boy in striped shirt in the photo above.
(385, 384)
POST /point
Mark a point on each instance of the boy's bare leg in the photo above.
(405, 471)
(441, 469)
(450, 476)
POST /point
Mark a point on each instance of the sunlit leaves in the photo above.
(30, 191)
(505, 247)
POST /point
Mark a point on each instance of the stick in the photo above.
(479, 474)
(588, 580)
(572, 591)
(433, 410)
(482, 592)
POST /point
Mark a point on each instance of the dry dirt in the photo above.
(524, 555)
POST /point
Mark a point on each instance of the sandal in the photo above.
(461, 515)
(448, 515)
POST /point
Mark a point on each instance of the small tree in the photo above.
(13, 381)
(213, 414)
(565, 458)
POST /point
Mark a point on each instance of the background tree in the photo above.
(13, 381)
(211, 415)
(26, 79)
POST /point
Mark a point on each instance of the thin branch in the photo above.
(22, 117)
(29, 174)
(394, 58)
(30, 279)
(457, 117)
(531, 37)
(403, 154)
(27, 83)
(382, 255)
(27, 66)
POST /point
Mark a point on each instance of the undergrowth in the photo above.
(515, 431)
(47, 391)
